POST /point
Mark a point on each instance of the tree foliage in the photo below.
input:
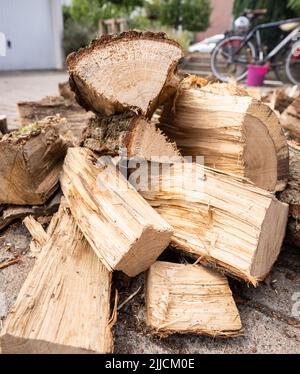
(90, 11)
(192, 15)
(295, 5)
(277, 10)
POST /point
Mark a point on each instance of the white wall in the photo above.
(34, 29)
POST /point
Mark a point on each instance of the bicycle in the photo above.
(231, 56)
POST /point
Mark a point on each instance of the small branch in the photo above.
(129, 298)
(6, 264)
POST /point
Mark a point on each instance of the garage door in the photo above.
(28, 28)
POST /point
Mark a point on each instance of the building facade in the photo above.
(220, 20)
(32, 31)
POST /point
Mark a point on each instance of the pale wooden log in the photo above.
(64, 304)
(290, 120)
(121, 227)
(234, 132)
(140, 138)
(65, 91)
(74, 119)
(129, 72)
(31, 160)
(291, 195)
(10, 213)
(190, 299)
(39, 235)
(220, 219)
(3, 124)
(280, 99)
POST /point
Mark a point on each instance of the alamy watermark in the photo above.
(2, 44)
(173, 174)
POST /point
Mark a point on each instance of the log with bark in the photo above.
(290, 120)
(291, 195)
(121, 227)
(190, 299)
(232, 131)
(133, 71)
(10, 213)
(140, 138)
(31, 160)
(64, 304)
(76, 118)
(220, 219)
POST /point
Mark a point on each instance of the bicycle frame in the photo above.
(255, 32)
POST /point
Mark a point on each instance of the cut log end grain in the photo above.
(121, 227)
(232, 131)
(129, 72)
(190, 299)
(64, 304)
(140, 138)
(31, 162)
(222, 221)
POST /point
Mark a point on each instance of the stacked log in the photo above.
(232, 131)
(186, 298)
(220, 220)
(64, 304)
(119, 217)
(74, 119)
(291, 195)
(290, 120)
(32, 160)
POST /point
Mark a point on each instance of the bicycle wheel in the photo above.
(292, 67)
(227, 64)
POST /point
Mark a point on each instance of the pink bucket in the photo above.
(256, 75)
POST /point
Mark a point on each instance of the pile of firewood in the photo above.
(224, 216)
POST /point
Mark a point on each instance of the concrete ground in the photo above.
(270, 313)
(26, 86)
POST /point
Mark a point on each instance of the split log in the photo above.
(121, 227)
(31, 160)
(280, 99)
(3, 124)
(220, 219)
(39, 235)
(190, 299)
(64, 304)
(291, 196)
(10, 213)
(140, 138)
(232, 131)
(65, 91)
(130, 72)
(76, 118)
(290, 120)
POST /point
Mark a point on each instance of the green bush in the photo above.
(295, 5)
(76, 35)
